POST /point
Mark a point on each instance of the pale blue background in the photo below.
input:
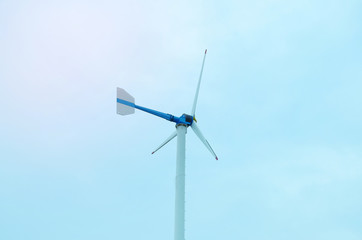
(280, 104)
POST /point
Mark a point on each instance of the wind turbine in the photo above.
(126, 105)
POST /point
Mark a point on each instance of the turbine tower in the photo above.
(126, 105)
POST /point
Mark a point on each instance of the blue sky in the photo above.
(280, 103)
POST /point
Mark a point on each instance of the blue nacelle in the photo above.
(184, 119)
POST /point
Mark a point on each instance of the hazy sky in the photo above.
(280, 103)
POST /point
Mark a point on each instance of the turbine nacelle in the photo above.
(185, 119)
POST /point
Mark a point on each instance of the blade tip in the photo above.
(217, 158)
(152, 152)
(205, 51)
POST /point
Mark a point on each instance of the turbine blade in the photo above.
(198, 87)
(198, 133)
(172, 136)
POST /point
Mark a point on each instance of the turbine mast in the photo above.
(180, 183)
